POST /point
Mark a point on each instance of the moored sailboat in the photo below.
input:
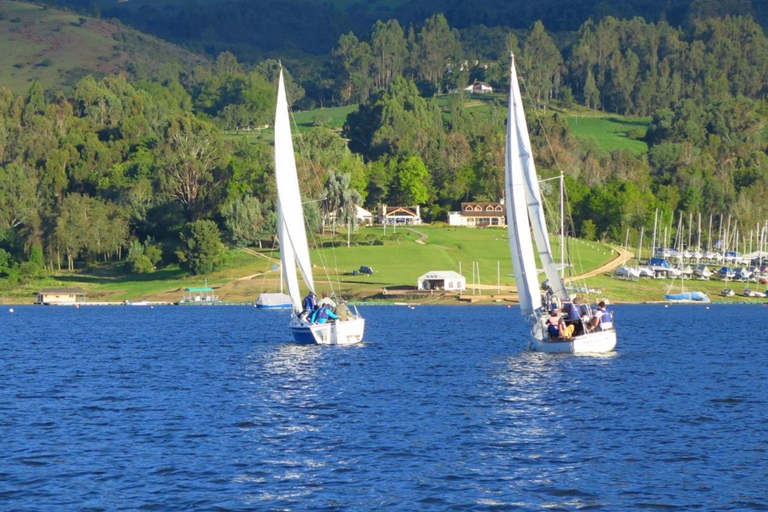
(294, 248)
(525, 213)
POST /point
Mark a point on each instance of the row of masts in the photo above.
(723, 247)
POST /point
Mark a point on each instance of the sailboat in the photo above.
(273, 300)
(294, 249)
(684, 297)
(525, 213)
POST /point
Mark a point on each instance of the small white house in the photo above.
(400, 215)
(456, 219)
(479, 215)
(478, 87)
(363, 216)
(447, 280)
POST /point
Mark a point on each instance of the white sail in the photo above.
(520, 241)
(294, 250)
(532, 192)
(525, 214)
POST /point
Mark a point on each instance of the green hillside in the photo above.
(58, 48)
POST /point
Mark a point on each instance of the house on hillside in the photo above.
(58, 296)
(479, 214)
(399, 215)
(478, 87)
(363, 216)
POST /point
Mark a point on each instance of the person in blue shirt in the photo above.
(322, 315)
(309, 305)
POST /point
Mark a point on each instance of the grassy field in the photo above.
(397, 264)
(610, 132)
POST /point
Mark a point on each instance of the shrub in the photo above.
(202, 251)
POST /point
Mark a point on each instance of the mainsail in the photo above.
(294, 250)
(520, 241)
(532, 191)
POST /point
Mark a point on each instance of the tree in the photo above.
(389, 50)
(437, 48)
(18, 194)
(353, 62)
(542, 64)
(91, 226)
(243, 219)
(188, 159)
(202, 251)
(340, 198)
(411, 182)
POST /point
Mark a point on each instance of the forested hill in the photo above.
(59, 48)
(254, 30)
(159, 167)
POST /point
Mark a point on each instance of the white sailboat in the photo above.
(525, 213)
(684, 297)
(294, 249)
(272, 300)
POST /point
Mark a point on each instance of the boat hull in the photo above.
(599, 342)
(274, 306)
(348, 332)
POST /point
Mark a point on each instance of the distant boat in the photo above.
(525, 213)
(687, 297)
(294, 249)
(136, 303)
(727, 292)
(273, 301)
(702, 272)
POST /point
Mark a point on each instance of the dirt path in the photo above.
(250, 251)
(622, 255)
(422, 236)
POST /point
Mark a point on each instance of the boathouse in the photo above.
(56, 296)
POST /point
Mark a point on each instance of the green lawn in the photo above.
(397, 263)
(610, 132)
(402, 262)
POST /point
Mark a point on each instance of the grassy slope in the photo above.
(57, 47)
(396, 264)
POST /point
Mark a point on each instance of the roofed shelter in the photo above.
(55, 296)
(447, 280)
(202, 295)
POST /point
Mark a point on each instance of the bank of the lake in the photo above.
(397, 256)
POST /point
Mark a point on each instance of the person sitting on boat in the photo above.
(343, 311)
(326, 301)
(323, 314)
(603, 320)
(572, 311)
(309, 305)
(556, 326)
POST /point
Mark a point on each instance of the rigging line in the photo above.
(304, 151)
(567, 208)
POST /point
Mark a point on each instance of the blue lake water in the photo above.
(212, 408)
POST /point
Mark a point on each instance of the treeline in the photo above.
(142, 173)
(630, 67)
(257, 30)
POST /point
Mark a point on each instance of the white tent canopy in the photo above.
(442, 280)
